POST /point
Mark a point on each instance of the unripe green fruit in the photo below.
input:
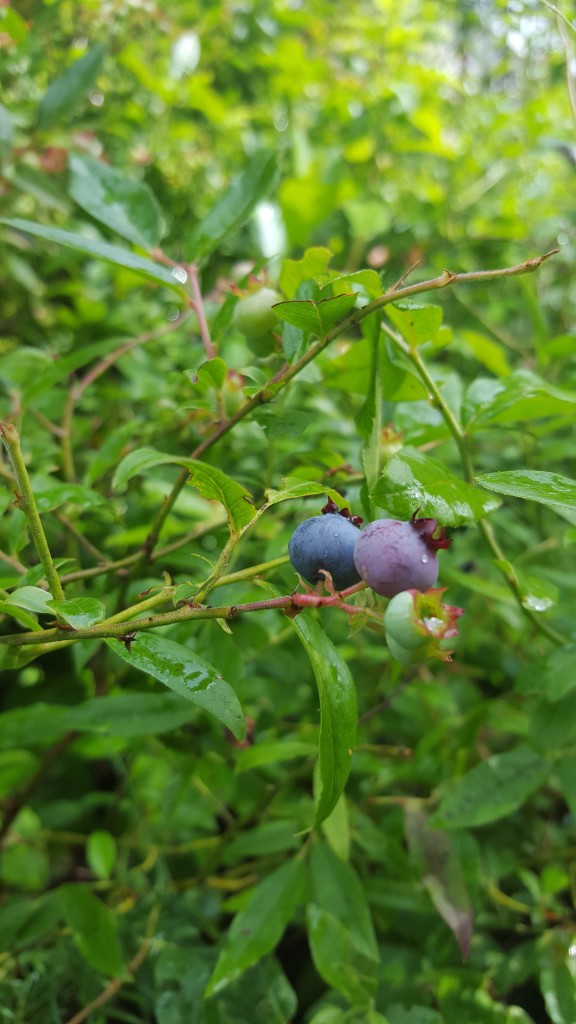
(254, 316)
(403, 654)
(401, 622)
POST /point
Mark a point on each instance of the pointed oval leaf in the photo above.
(33, 599)
(255, 182)
(338, 712)
(301, 313)
(78, 612)
(313, 264)
(492, 790)
(416, 323)
(64, 93)
(100, 250)
(187, 674)
(127, 207)
(94, 928)
(413, 481)
(257, 928)
(551, 489)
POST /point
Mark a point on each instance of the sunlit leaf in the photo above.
(126, 206)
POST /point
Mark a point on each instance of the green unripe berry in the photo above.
(254, 315)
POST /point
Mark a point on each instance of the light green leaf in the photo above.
(557, 981)
(369, 418)
(261, 754)
(313, 265)
(551, 489)
(413, 481)
(21, 616)
(255, 182)
(127, 207)
(291, 490)
(64, 93)
(215, 485)
(99, 250)
(101, 853)
(520, 396)
(490, 353)
(212, 483)
(315, 318)
(94, 928)
(51, 494)
(338, 712)
(366, 280)
(210, 374)
(257, 929)
(416, 323)
(33, 599)
(79, 612)
(184, 672)
(492, 790)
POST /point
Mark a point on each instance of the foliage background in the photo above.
(136, 827)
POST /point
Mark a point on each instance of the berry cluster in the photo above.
(396, 559)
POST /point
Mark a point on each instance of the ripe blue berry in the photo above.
(325, 542)
(392, 556)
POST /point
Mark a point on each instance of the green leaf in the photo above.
(273, 753)
(550, 489)
(293, 490)
(257, 928)
(557, 977)
(413, 481)
(416, 323)
(338, 712)
(51, 494)
(101, 853)
(64, 93)
(552, 677)
(489, 353)
(79, 612)
(521, 396)
(315, 318)
(99, 250)
(33, 599)
(313, 264)
(127, 207)
(536, 594)
(94, 928)
(6, 132)
(21, 616)
(492, 790)
(128, 715)
(215, 485)
(212, 483)
(255, 182)
(188, 675)
(364, 280)
(211, 374)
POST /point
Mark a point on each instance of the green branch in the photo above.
(26, 503)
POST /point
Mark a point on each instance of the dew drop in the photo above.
(424, 559)
(180, 274)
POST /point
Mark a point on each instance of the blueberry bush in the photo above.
(288, 513)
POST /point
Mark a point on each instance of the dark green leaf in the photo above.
(100, 250)
(550, 489)
(492, 790)
(413, 481)
(129, 714)
(557, 977)
(292, 489)
(315, 318)
(127, 207)
(94, 928)
(255, 182)
(188, 675)
(210, 374)
(552, 677)
(64, 93)
(273, 753)
(338, 712)
(257, 929)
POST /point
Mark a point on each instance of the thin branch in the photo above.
(113, 628)
(198, 306)
(114, 986)
(26, 502)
